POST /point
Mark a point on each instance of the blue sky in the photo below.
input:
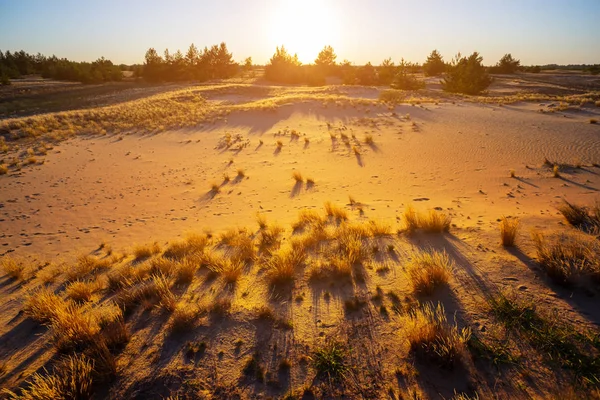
(534, 31)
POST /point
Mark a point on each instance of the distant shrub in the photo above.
(434, 65)
(283, 67)
(366, 75)
(387, 71)
(325, 62)
(404, 80)
(506, 65)
(466, 75)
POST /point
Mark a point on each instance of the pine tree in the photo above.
(467, 75)
(434, 65)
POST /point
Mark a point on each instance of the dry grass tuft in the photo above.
(508, 231)
(87, 265)
(432, 337)
(215, 188)
(432, 222)
(307, 217)
(184, 316)
(556, 171)
(14, 269)
(336, 212)
(230, 270)
(297, 177)
(568, 257)
(241, 173)
(379, 228)
(71, 379)
(261, 220)
(42, 305)
(435, 222)
(411, 218)
(192, 245)
(81, 291)
(282, 265)
(369, 139)
(3, 169)
(429, 270)
(581, 217)
(142, 252)
(186, 271)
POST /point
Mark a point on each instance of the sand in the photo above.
(454, 156)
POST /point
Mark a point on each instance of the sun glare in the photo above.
(304, 27)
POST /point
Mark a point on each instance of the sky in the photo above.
(534, 31)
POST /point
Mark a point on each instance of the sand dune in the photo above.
(100, 195)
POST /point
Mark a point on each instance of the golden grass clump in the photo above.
(185, 271)
(72, 328)
(13, 268)
(369, 139)
(433, 338)
(411, 218)
(435, 222)
(568, 257)
(72, 378)
(281, 266)
(351, 248)
(297, 177)
(81, 291)
(270, 237)
(429, 270)
(87, 265)
(162, 291)
(336, 212)
(3, 169)
(156, 266)
(432, 222)
(379, 228)
(184, 316)
(556, 171)
(261, 220)
(241, 173)
(43, 304)
(141, 252)
(307, 217)
(193, 244)
(231, 271)
(508, 231)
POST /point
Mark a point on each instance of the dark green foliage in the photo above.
(330, 360)
(387, 71)
(506, 65)
(283, 67)
(556, 340)
(348, 73)
(325, 62)
(466, 75)
(214, 63)
(404, 80)
(434, 65)
(366, 75)
(15, 65)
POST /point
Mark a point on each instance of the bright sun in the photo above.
(304, 27)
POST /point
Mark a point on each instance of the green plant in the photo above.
(466, 75)
(330, 360)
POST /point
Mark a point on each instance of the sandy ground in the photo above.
(455, 156)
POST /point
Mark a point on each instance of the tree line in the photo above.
(17, 64)
(461, 74)
(215, 62)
